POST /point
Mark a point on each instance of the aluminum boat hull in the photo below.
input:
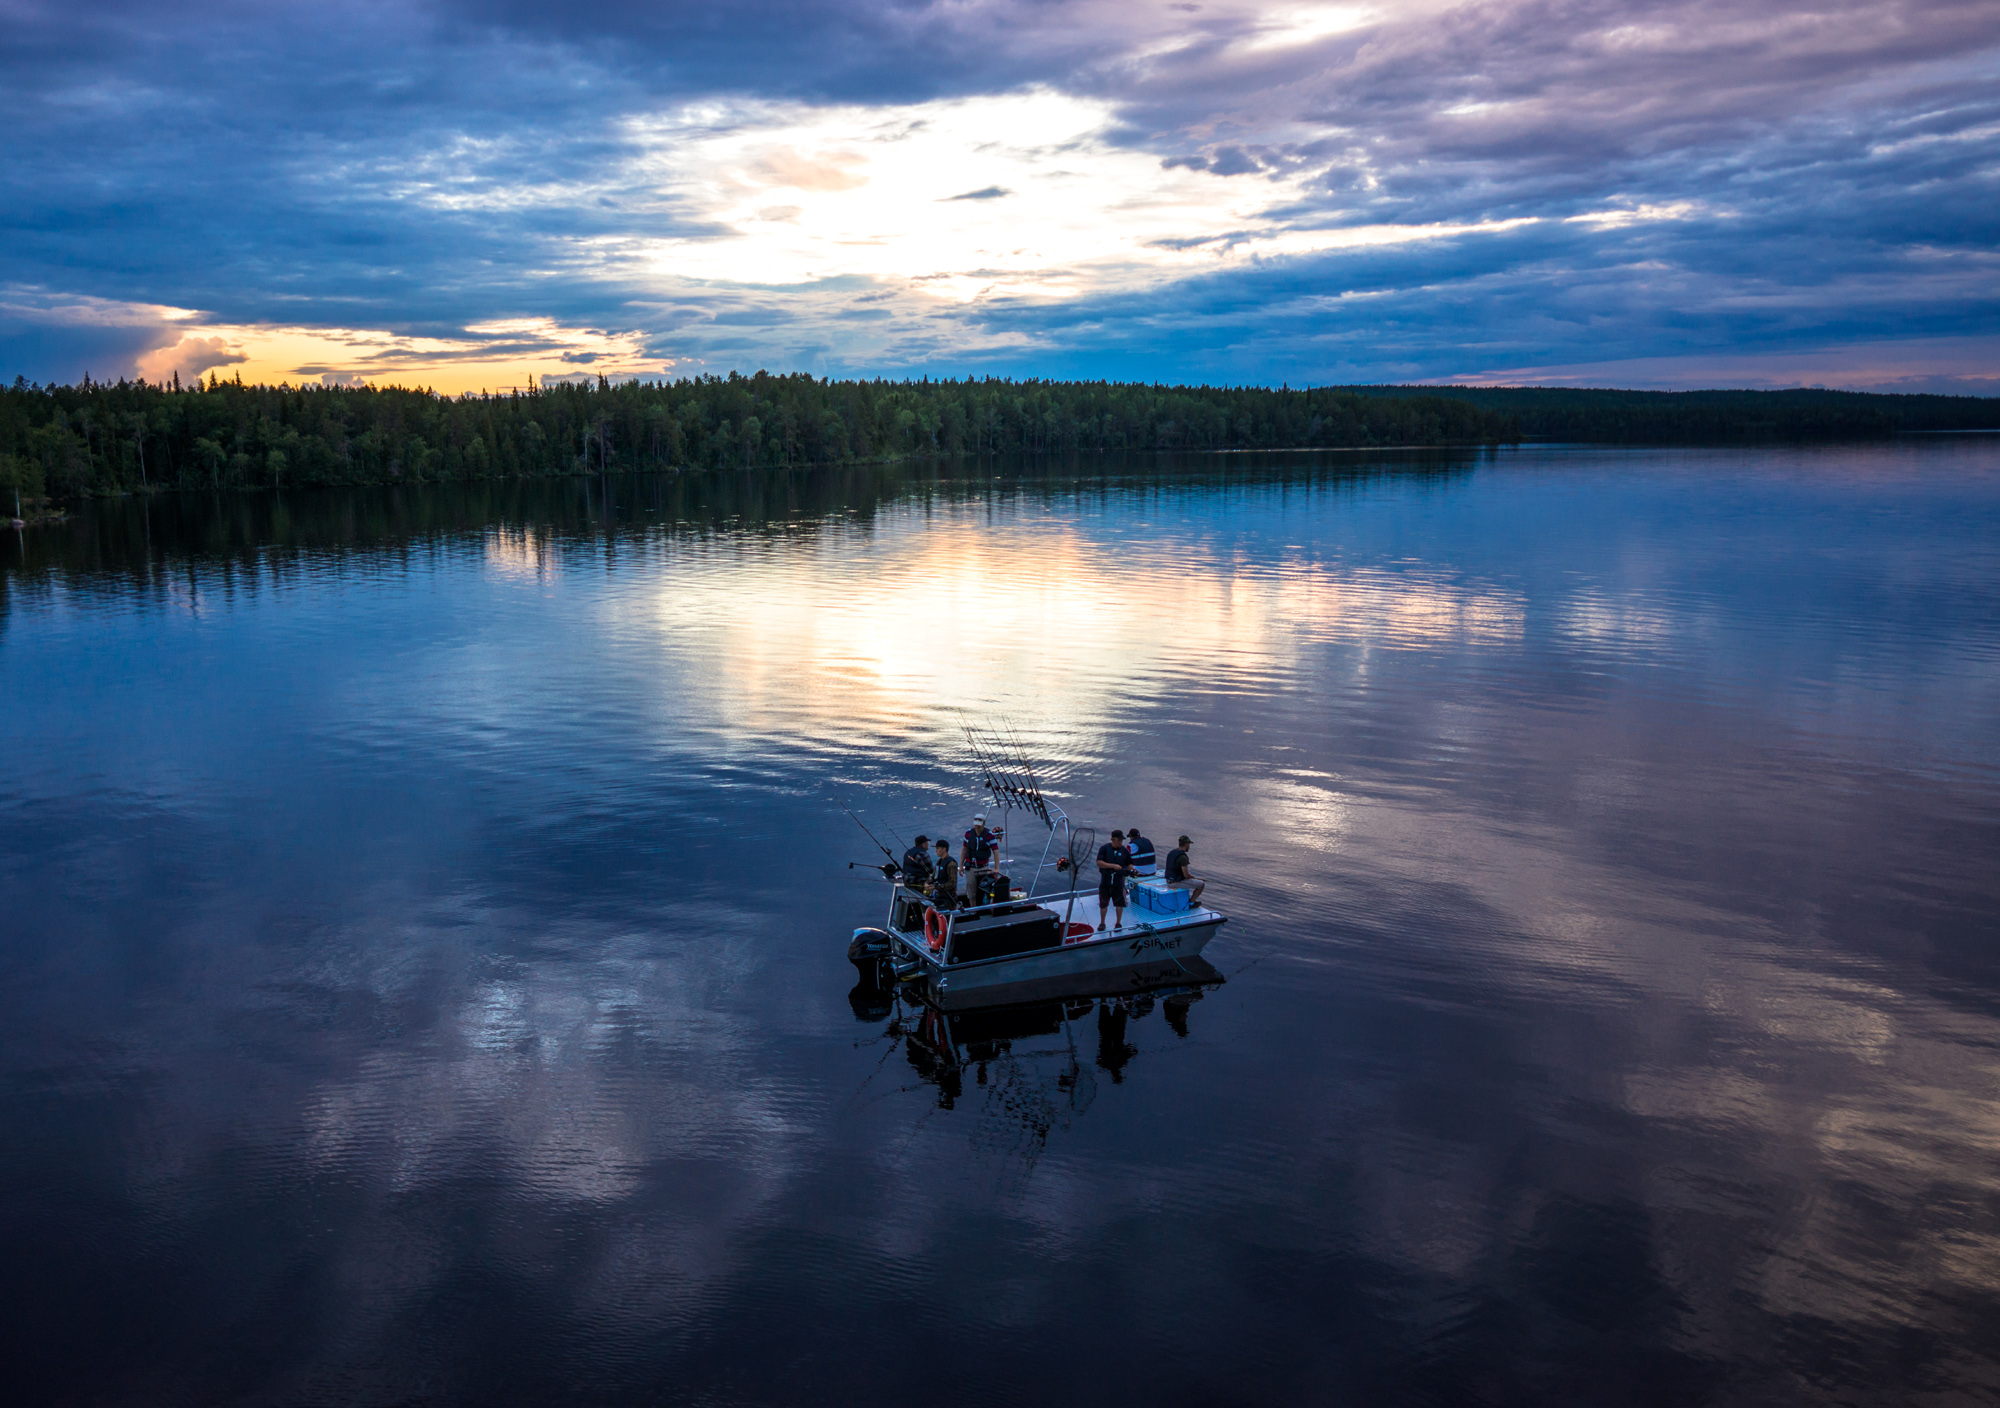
(1162, 941)
(1161, 976)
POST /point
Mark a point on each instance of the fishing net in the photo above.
(1079, 856)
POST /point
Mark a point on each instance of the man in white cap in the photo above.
(976, 856)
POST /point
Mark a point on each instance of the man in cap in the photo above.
(917, 864)
(1143, 854)
(944, 892)
(975, 857)
(1180, 876)
(1114, 863)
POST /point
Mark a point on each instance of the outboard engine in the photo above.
(869, 952)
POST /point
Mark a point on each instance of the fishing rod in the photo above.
(888, 854)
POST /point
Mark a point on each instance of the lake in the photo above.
(424, 974)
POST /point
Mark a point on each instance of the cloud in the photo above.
(1963, 366)
(1566, 183)
(827, 171)
(189, 357)
(1233, 161)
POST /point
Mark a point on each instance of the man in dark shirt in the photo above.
(1179, 877)
(1114, 863)
(944, 891)
(917, 864)
(975, 857)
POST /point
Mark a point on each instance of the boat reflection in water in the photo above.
(1038, 1052)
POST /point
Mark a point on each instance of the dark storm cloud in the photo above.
(1794, 177)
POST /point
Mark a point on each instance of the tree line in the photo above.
(68, 442)
(96, 438)
(1609, 416)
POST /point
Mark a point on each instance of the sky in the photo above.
(1523, 192)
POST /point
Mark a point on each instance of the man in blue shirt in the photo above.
(1142, 853)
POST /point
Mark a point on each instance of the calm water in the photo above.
(424, 973)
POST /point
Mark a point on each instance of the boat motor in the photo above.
(869, 952)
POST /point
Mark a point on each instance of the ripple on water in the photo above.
(424, 963)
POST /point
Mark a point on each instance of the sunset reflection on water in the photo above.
(880, 629)
(436, 941)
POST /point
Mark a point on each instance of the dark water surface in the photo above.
(423, 974)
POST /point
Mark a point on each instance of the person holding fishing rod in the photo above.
(944, 894)
(917, 867)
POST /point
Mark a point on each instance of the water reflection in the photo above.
(1033, 1064)
(423, 967)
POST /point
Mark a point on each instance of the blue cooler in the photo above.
(1156, 897)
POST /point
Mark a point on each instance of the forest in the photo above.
(1713, 417)
(68, 442)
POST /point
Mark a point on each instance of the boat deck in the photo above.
(1137, 920)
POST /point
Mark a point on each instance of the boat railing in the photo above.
(958, 911)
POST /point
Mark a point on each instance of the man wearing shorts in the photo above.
(1114, 863)
(1179, 877)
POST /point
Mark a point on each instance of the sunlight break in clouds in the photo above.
(1021, 194)
(513, 352)
(517, 352)
(1188, 190)
(1282, 26)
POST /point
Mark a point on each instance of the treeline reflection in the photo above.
(251, 536)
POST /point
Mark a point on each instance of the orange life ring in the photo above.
(934, 923)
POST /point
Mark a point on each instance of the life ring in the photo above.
(934, 923)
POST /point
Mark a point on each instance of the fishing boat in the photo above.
(1042, 935)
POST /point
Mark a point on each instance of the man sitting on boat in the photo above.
(976, 856)
(917, 868)
(1179, 877)
(1142, 854)
(1114, 863)
(944, 889)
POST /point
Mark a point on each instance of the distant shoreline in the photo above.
(67, 443)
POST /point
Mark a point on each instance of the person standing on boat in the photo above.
(917, 864)
(944, 890)
(1142, 854)
(976, 856)
(1114, 863)
(1179, 877)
